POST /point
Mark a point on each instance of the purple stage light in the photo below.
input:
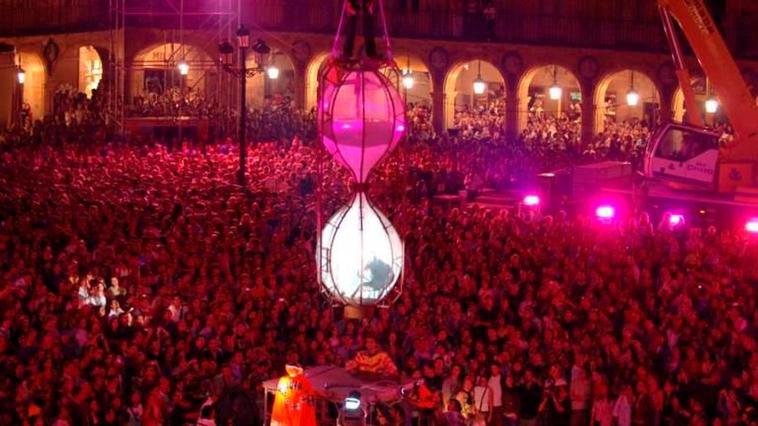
(676, 220)
(532, 200)
(605, 212)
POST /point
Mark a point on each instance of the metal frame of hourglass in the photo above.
(361, 118)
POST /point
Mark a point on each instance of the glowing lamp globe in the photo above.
(272, 72)
(676, 220)
(752, 226)
(360, 255)
(605, 212)
(479, 86)
(632, 98)
(21, 76)
(711, 105)
(532, 200)
(183, 68)
(408, 80)
(361, 116)
(555, 92)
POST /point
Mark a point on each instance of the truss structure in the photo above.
(216, 20)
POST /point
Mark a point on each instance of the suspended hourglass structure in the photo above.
(361, 118)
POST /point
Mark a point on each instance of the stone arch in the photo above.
(611, 92)
(35, 82)
(458, 86)
(154, 68)
(312, 71)
(262, 86)
(535, 84)
(423, 84)
(91, 65)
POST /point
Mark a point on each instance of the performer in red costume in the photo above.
(294, 404)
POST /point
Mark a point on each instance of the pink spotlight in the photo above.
(676, 220)
(532, 200)
(605, 212)
(752, 226)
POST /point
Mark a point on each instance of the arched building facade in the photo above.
(443, 71)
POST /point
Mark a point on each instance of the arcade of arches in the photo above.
(460, 92)
(263, 86)
(90, 70)
(703, 92)
(615, 95)
(34, 84)
(155, 69)
(445, 89)
(420, 92)
(550, 89)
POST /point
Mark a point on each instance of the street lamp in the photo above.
(555, 92)
(408, 80)
(273, 72)
(711, 105)
(21, 75)
(243, 37)
(408, 76)
(479, 85)
(632, 97)
(242, 74)
(183, 68)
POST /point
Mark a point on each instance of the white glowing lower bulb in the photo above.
(360, 254)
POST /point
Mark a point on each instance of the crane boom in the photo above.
(682, 73)
(719, 65)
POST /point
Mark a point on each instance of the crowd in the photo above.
(74, 117)
(140, 286)
(420, 121)
(175, 102)
(482, 122)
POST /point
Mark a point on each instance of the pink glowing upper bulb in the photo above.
(676, 219)
(605, 212)
(531, 200)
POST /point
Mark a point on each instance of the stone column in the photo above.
(665, 110)
(589, 111)
(300, 86)
(512, 116)
(439, 98)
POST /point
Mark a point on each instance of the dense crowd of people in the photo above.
(141, 286)
(175, 102)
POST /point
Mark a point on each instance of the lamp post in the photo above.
(21, 79)
(632, 97)
(555, 91)
(480, 86)
(242, 74)
(243, 42)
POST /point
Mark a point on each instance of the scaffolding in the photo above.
(217, 21)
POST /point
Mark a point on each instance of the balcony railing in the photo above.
(22, 17)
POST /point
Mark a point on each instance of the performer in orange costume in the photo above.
(294, 404)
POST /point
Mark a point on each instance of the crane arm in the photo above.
(719, 65)
(682, 73)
